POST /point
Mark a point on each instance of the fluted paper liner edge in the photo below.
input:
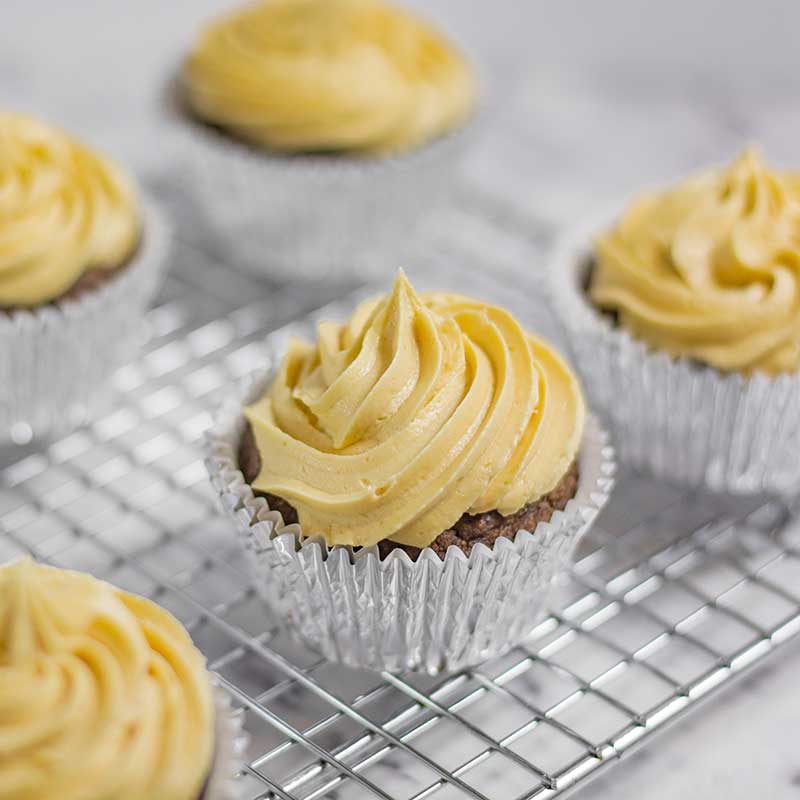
(230, 742)
(314, 215)
(682, 421)
(56, 361)
(431, 614)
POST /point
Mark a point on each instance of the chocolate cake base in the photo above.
(178, 104)
(611, 314)
(470, 529)
(89, 281)
(613, 317)
(207, 782)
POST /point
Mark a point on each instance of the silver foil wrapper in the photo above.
(682, 421)
(295, 217)
(431, 614)
(230, 742)
(56, 361)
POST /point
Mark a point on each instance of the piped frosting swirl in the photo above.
(63, 210)
(417, 410)
(356, 76)
(102, 694)
(710, 269)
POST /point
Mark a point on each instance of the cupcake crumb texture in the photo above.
(470, 529)
(418, 415)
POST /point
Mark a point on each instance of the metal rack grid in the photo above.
(672, 594)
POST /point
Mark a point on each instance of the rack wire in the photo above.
(672, 594)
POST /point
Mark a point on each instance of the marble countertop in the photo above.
(741, 744)
(582, 101)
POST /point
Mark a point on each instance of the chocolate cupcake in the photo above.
(685, 320)
(103, 695)
(321, 131)
(81, 258)
(414, 458)
(468, 531)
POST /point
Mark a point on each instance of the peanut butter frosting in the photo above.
(417, 410)
(102, 694)
(63, 210)
(357, 76)
(710, 269)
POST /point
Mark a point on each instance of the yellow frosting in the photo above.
(63, 210)
(710, 269)
(417, 410)
(328, 75)
(102, 694)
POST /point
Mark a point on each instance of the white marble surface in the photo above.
(583, 100)
(742, 744)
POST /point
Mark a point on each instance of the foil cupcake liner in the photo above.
(55, 361)
(431, 614)
(295, 217)
(682, 421)
(230, 742)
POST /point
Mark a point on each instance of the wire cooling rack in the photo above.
(672, 594)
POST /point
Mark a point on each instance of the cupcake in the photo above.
(103, 695)
(684, 315)
(321, 132)
(409, 487)
(80, 256)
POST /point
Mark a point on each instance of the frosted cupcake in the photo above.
(410, 486)
(321, 131)
(685, 320)
(80, 257)
(103, 695)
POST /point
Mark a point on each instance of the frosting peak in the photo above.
(327, 75)
(102, 694)
(419, 409)
(710, 269)
(63, 210)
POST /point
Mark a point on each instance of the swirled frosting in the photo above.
(63, 210)
(359, 76)
(102, 694)
(417, 410)
(710, 269)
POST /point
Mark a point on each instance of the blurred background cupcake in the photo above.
(320, 133)
(103, 695)
(684, 316)
(81, 255)
(409, 487)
